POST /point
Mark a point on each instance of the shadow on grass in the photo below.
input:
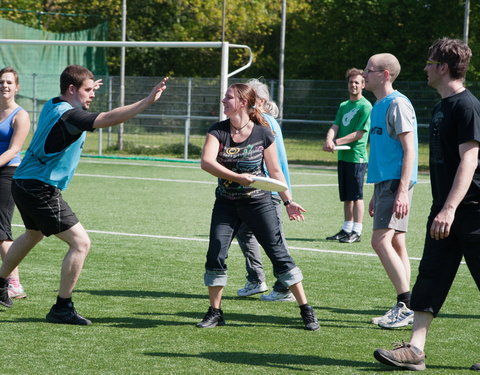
(287, 361)
(157, 294)
(281, 361)
(233, 320)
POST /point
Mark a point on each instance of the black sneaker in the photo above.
(66, 315)
(309, 318)
(5, 299)
(351, 238)
(213, 318)
(338, 236)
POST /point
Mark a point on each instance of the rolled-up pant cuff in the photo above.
(291, 277)
(215, 278)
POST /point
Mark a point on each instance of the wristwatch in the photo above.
(286, 203)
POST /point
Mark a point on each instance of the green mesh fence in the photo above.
(49, 61)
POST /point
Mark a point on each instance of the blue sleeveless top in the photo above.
(56, 168)
(386, 153)
(6, 133)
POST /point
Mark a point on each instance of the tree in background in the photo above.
(323, 37)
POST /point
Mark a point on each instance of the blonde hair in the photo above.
(263, 93)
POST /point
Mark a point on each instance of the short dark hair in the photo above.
(9, 69)
(353, 72)
(453, 52)
(74, 75)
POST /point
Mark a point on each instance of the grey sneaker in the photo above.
(278, 296)
(385, 316)
(66, 315)
(252, 288)
(213, 318)
(309, 319)
(403, 355)
(400, 316)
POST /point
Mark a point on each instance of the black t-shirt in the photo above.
(455, 120)
(69, 128)
(244, 157)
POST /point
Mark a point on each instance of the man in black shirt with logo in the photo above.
(453, 228)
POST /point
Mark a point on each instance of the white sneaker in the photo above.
(18, 292)
(401, 316)
(252, 288)
(278, 296)
(385, 316)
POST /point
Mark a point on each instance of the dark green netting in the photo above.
(49, 61)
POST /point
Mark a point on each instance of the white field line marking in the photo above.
(141, 164)
(180, 166)
(196, 182)
(176, 238)
(147, 179)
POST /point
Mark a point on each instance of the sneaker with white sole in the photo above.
(385, 316)
(252, 288)
(16, 292)
(401, 316)
(404, 356)
(278, 296)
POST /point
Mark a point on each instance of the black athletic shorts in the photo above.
(42, 207)
(7, 205)
(350, 180)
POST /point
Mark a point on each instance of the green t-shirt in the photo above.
(351, 117)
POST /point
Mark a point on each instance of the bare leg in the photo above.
(358, 211)
(79, 242)
(348, 209)
(299, 293)
(382, 240)
(421, 323)
(4, 246)
(215, 295)
(18, 250)
(400, 246)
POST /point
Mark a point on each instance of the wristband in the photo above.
(286, 203)
(334, 142)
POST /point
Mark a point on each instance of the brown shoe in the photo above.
(404, 355)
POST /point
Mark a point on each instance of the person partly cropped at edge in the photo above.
(453, 226)
(47, 169)
(235, 150)
(14, 129)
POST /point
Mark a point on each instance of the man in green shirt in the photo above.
(350, 128)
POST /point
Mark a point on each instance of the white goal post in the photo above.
(225, 46)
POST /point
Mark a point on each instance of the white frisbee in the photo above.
(341, 147)
(269, 184)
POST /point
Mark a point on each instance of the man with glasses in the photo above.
(351, 127)
(453, 227)
(392, 167)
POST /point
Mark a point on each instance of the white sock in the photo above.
(357, 227)
(347, 226)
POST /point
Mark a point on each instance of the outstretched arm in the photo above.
(122, 114)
